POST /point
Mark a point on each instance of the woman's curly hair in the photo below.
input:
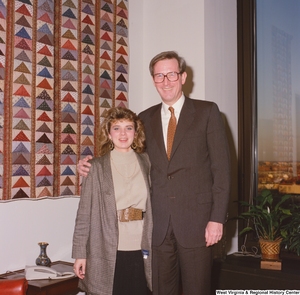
(118, 114)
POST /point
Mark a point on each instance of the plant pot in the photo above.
(269, 249)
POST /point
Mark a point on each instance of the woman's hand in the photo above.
(83, 166)
(79, 268)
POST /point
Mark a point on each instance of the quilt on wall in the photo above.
(63, 63)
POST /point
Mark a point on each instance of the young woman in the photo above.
(112, 236)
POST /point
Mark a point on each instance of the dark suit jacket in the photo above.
(193, 187)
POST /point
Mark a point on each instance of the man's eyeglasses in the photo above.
(171, 76)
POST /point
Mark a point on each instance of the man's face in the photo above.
(169, 92)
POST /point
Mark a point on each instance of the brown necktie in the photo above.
(171, 132)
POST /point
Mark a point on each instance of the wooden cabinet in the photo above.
(244, 273)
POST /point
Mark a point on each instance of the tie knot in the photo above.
(171, 109)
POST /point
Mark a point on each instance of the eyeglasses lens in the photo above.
(171, 76)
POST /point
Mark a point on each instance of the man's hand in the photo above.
(83, 166)
(79, 268)
(213, 233)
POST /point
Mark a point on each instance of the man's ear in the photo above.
(183, 77)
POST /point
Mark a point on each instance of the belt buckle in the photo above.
(124, 216)
(130, 214)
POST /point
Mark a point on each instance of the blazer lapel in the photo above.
(107, 174)
(108, 184)
(144, 168)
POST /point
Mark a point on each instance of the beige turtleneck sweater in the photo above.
(130, 191)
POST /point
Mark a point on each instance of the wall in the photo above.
(24, 223)
(204, 32)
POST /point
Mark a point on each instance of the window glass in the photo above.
(278, 95)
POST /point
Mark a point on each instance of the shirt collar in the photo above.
(177, 105)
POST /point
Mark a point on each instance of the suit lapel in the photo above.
(157, 132)
(185, 120)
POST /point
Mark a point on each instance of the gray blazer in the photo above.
(96, 230)
(193, 187)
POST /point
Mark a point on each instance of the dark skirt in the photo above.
(129, 278)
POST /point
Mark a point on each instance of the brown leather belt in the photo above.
(130, 214)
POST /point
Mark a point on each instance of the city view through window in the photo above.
(278, 95)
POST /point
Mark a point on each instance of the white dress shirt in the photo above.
(166, 114)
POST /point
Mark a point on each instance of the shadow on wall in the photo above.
(187, 88)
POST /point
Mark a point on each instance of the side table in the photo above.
(68, 286)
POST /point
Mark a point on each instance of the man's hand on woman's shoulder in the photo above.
(83, 166)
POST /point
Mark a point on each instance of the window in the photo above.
(269, 96)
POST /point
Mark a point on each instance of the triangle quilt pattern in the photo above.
(63, 72)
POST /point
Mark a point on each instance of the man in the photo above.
(190, 188)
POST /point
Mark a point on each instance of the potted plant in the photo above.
(267, 216)
(291, 231)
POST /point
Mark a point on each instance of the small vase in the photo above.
(43, 259)
(270, 250)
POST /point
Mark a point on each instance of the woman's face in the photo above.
(122, 134)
